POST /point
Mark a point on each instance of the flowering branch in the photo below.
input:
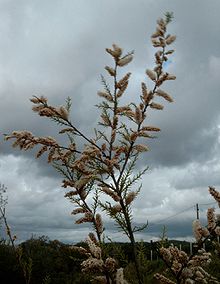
(105, 165)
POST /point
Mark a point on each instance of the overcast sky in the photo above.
(57, 49)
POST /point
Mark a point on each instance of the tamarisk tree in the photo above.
(100, 176)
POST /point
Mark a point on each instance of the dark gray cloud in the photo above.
(56, 49)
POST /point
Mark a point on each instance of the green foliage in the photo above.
(52, 262)
(148, 271)
(10, 271)
(169, 17)
(55, 262)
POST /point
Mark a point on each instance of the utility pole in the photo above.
(197, 211)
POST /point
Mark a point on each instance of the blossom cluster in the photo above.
(213, 221)
(190, 269)
(97, 265)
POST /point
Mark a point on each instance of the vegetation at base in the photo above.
(56, 262)
(53, 262)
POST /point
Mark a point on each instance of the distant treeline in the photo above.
(58, 263)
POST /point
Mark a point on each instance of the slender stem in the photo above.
(26, 274)
(140, 123)
(87, 139)
(7, 227)
(132, 241)
(114, 110)
(124, 208)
